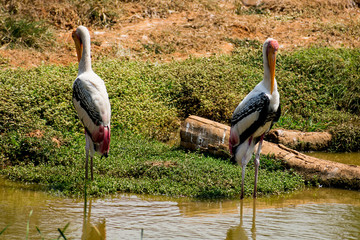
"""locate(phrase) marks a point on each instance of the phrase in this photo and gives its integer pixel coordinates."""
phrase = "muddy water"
(347, 158)
(310, 214)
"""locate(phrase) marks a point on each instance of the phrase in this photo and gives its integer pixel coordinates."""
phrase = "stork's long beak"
(78, 45)
(272, 60)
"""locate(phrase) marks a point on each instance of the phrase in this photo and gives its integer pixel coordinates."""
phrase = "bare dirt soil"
(156, 32)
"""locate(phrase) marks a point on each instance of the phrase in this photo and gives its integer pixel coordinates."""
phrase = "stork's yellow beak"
(272, 60)
(78, 45)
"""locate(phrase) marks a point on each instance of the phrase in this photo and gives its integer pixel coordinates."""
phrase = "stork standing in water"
(255, 115)
(91, 101)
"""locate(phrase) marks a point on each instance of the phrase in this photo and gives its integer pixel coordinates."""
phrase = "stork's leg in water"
(242, 180)
(87, 149)
(257, 163)
(86, 162)
(243, 166)
(91, 167)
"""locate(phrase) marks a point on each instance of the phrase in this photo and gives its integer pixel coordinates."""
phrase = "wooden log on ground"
(206, 135)
(301, 141)
(326, 173)
(213, 137)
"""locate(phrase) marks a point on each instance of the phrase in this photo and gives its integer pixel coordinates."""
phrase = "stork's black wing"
(83, 96)
(257, 104)
(274, 117)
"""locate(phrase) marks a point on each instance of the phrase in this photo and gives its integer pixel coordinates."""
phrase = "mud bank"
(213, 137)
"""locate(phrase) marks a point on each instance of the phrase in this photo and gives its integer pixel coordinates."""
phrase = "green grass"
(139, 165)
(42, 139)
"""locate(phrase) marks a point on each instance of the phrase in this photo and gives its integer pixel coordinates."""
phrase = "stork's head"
(270, 48)
(79, 35)
(78, 44)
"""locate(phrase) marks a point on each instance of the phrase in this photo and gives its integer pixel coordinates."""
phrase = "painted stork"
(91, 101)
(255, 115)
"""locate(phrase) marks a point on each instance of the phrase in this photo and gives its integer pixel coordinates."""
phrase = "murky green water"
(347, 158)
(310, 214)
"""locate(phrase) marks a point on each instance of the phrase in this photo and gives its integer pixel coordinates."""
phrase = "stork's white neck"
(85, 62)
(267, 75)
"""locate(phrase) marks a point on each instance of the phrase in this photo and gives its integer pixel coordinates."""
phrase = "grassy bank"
(319, 90)
(41, 137)
(140, 165)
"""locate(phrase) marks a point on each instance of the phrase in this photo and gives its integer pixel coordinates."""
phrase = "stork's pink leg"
(243, 166)
(257, 163)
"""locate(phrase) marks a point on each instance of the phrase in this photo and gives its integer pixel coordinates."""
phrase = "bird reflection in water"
(239, 232)
(92, 231)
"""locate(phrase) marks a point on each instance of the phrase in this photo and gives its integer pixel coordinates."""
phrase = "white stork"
(255, 115)
(91, 101)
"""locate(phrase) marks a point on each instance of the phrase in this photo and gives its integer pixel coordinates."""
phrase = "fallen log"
(323, 172)
(206, 135)
(301, 141)
(202, 134)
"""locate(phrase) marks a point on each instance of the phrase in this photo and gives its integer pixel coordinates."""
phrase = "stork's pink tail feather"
(233, 140)
(102, 138)
(105, 145)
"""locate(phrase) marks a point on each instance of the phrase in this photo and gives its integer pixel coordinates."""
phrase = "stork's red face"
(78, 44)
(271, 50)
